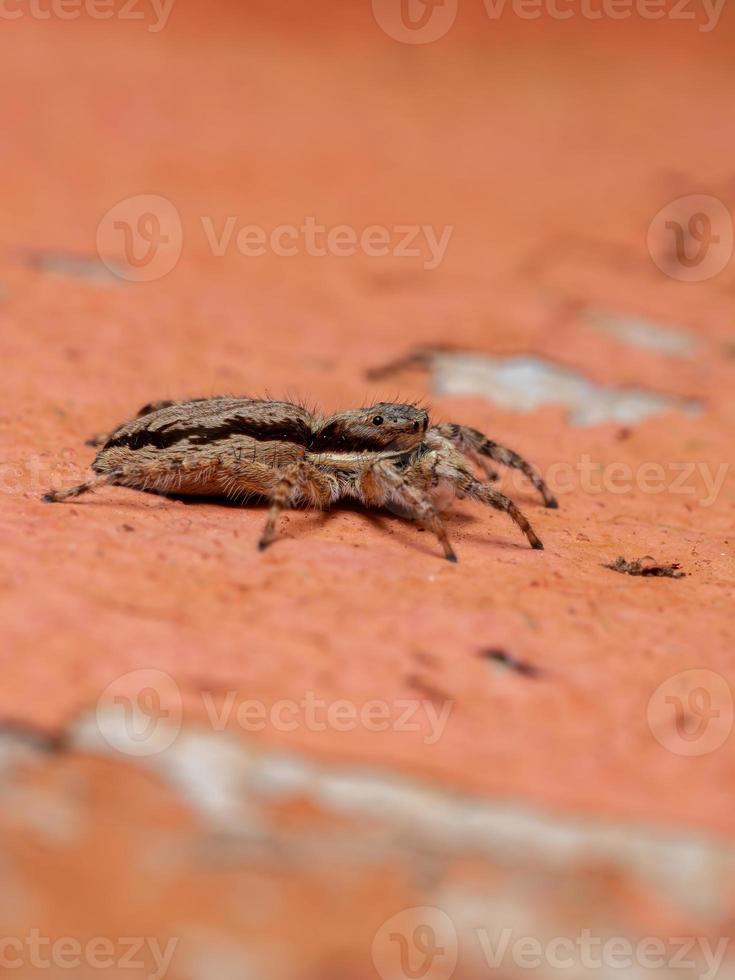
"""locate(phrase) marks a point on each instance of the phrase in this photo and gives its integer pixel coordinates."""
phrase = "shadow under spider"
(385, 520)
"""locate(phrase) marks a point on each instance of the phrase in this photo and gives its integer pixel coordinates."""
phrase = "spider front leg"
(461, 478)
(382, 482)
(299, 480)
(475, 444)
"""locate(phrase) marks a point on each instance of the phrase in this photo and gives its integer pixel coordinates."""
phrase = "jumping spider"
(387, 454)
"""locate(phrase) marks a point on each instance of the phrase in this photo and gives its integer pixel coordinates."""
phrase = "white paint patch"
(55, 819)
(525, 383)
(17, 748)
(208, 955)
(71, 266)
(641, 332)
(210, 771)
(227, 782)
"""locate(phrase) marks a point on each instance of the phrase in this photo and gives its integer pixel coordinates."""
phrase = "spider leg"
(163, 477)
(473, 443)
(382, 482)
(472, 488)
(154, 407)
(491, 474)
(56, 496)
(98, 440)
(297, 480)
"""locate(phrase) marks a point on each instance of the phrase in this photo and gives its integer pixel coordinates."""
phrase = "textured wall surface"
(248, 764)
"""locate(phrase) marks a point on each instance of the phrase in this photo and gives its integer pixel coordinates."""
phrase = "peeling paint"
(71, 265)
(525, 383)
(210, 773)
(489, 921)
(227, 781)
(208, 955)
(18, 746)
(54, 819)
(641, 332)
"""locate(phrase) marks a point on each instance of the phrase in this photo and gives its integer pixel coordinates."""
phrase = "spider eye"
(378, 420)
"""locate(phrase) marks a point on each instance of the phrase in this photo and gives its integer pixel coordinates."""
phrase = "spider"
(387, 454)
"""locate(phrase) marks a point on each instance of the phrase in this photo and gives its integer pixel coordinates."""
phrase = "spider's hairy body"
(384, 454)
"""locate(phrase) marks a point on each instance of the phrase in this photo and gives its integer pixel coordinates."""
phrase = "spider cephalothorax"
(381, 428)
(384, 454)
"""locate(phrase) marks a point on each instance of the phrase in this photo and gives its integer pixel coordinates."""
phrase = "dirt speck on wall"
(345, 755)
